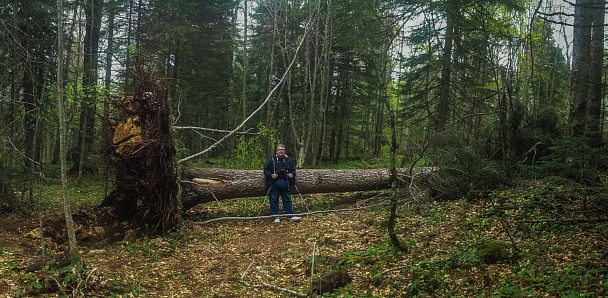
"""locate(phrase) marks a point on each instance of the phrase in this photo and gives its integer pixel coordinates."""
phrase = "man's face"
(280, 151)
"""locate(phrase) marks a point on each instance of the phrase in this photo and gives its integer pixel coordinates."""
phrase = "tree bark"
(581, 53)
(8, 200)
(86, 134)
(75, 257)
(105, 124)
(443, 109)
(202, 185)
(593, 130)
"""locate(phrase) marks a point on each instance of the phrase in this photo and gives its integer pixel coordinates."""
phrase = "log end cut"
(204, 181)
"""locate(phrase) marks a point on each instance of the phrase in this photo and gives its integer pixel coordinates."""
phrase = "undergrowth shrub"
(460, 169)
(572, 158)
(249, 152)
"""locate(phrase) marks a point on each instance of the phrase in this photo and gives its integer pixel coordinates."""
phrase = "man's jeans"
(280, 188)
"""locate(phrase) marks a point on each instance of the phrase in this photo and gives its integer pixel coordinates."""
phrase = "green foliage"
(250, 154)
(463, 257)
(573, 158)
(120, 290)
(62, 280)
(427, 278)
(384, 253)
(89, 192)
(460, 169)
(509, 289)
(533, 134)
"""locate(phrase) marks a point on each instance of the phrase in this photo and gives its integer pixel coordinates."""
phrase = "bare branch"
(261, 105)
(214, 130)
(280, 289)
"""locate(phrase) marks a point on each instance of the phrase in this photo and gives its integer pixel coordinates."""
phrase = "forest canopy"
(511, 85)
(470, 132)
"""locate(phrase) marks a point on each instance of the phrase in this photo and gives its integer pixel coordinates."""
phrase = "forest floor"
(533, 241)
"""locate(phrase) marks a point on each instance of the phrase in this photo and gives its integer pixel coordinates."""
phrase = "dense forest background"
(500, 104)
(514, 87)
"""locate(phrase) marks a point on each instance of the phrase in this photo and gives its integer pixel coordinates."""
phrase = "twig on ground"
(277, 288)
(388, 270)
(244, 273)
(312, 266)
(360, 204)
(551, 220)
(284, 215)
(504, 227)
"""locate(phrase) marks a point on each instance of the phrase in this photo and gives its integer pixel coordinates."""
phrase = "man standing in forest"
(280, 173)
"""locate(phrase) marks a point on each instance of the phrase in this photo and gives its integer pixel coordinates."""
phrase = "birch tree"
(69, 222)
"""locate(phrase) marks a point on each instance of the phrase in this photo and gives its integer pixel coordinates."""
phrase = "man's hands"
(274, 176)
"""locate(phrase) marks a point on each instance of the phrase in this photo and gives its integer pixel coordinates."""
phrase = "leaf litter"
(259, 258)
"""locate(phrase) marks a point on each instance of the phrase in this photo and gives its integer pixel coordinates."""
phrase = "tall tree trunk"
(55, 158)
(581, 53)
(86, 135)
(245, 59)
(72, 70)
(270, 108)
(325, 87)
(73, 244)
(105, 124)
(443, 110)
(233, 76)
(378, 134)
(15, 70)
(308, 93)
(594, 104)
(129, 38)
(30, 106)
(29, 61)
(41, 69)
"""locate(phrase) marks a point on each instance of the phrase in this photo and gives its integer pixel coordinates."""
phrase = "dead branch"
(277, 288)
(283, 215)
(552, 220)
(389, 270)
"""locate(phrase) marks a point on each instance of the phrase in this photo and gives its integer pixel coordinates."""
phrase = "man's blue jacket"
(270, 168)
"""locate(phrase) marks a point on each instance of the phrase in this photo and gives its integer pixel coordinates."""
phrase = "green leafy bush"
(249, 152)
(573, 158)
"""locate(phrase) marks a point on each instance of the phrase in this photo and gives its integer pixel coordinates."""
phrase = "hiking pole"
(301, 198)
(264, 202)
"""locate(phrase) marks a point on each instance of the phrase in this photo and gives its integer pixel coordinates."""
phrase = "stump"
(141, 150)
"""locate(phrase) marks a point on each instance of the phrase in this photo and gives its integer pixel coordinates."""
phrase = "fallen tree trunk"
(201, 185)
